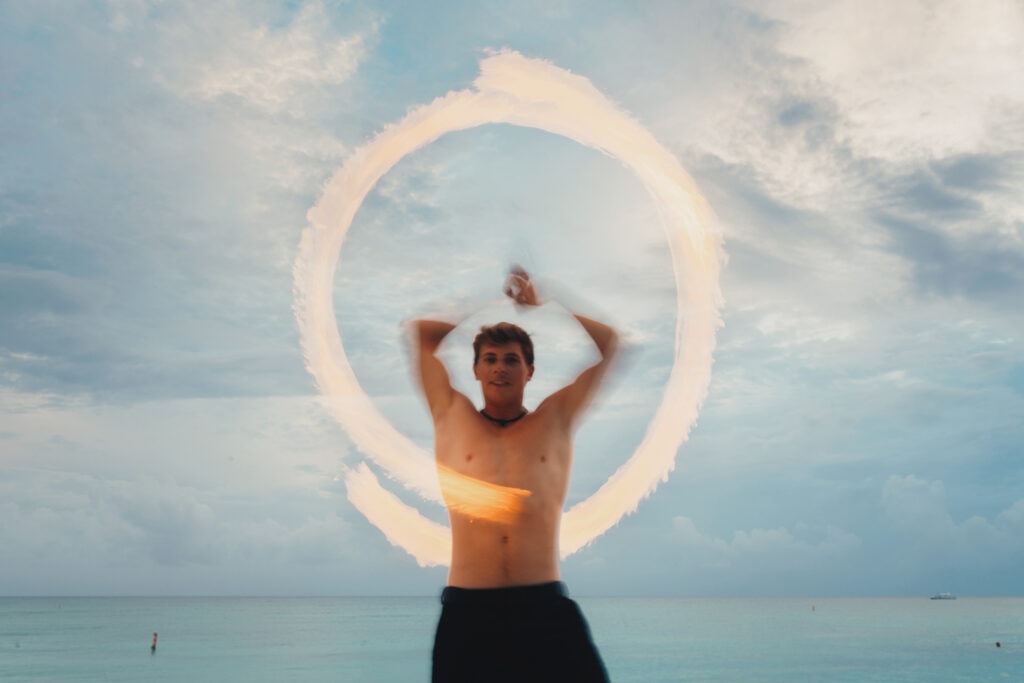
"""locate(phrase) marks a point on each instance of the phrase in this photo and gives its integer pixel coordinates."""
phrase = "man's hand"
(519, 288)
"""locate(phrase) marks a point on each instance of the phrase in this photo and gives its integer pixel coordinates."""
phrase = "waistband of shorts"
(506, 595)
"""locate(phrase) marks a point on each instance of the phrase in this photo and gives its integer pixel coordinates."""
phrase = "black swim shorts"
(526, 634)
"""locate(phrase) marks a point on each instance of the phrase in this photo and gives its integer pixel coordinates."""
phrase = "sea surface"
(386, 640)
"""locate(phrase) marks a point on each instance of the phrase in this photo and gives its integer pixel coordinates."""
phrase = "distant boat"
(943, 596)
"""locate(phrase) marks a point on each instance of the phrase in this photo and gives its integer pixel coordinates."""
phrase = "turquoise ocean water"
(388, 640)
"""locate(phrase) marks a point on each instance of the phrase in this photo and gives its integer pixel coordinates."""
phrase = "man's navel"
(469, 456)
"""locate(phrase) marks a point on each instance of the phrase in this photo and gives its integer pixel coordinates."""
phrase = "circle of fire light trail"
(532, 93)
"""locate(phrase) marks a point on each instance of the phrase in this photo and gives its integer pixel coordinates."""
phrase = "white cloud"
(912, 79)
(794, 329)
(125, 13)
(1013, 516)
(265, 91)
(24, 405)
(714, 551)
(917, 508)
(270, 69)
(775, 547)
(249, 445)
(828, 107)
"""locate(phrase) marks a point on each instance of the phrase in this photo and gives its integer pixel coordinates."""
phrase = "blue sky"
(159, 433)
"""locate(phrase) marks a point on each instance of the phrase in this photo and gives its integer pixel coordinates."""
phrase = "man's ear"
(475, 375)
(529, 375)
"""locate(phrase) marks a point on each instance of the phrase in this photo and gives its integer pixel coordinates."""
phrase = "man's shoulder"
(459, 410)
(552, 407)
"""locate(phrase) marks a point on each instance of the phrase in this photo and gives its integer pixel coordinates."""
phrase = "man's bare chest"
(525, 455)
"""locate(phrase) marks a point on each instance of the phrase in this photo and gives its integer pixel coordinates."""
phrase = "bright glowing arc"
(531, 93)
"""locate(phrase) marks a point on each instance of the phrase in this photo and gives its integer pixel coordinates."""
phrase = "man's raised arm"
(437, 387)
(571, 400)
(574, 398)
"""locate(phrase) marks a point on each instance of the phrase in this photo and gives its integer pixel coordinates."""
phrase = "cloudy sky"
(159, 431)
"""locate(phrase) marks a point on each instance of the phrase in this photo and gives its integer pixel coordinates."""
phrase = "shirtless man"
(505, 613)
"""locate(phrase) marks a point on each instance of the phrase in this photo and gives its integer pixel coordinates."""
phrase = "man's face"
(502, 371)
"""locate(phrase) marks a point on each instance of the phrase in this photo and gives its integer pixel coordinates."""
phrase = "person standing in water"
(506, 615)
(152, 648)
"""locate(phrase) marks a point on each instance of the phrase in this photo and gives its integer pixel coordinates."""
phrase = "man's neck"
(503, 411)
(504, 422)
